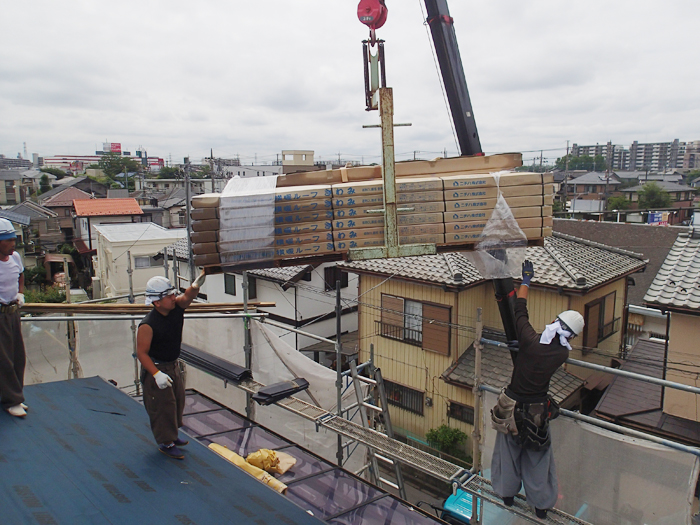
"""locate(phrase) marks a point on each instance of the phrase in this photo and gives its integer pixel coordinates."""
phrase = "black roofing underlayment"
(85, 455)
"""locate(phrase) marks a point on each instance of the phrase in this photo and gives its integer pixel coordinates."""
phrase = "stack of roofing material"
(441, 202)
(420, 219)
(471, 204)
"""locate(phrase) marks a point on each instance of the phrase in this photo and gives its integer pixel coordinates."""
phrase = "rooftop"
(664, 185)
(17, 218)
(106, 207)
(497, 368)
(65, 197)
(595, 177)
(564, 261)
(638, 404)
(33, 210)
(138, 231)
(86, 455)
(677, 283)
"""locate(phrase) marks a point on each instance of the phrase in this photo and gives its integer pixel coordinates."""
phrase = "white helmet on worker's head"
(572, 321)
(158, 287)
(7, 230)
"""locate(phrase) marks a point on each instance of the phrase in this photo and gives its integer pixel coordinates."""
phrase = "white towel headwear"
(551, 330)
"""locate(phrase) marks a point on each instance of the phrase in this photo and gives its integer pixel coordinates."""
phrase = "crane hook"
(373, 14)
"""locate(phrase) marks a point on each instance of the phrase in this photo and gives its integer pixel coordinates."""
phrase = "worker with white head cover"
(158, 343)
(12, 356)
(523, 454)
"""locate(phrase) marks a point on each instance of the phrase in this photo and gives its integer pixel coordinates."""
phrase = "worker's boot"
(508, 501)
(541, 513)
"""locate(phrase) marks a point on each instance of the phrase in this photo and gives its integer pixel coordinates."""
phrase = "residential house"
(115, 243)
(62, 204)
(21, 223)
(675, 296)
(94, 188)
(681, 197)
(11, 187)
(90, 213)
(175, 205)
(304, 298)
(165, 185)
(587, 192)
(419, 314)
(31, 181)
(44, 226)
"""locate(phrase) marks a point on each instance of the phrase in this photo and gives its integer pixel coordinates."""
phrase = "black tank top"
(167, 333)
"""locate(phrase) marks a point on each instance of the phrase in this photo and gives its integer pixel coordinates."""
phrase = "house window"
(252, 288)
(181, 219)
(332, 274)
(421, 324)
(146, 262)
(600, 320)
(230, 283)
(462, 413)
(66, 212)
(404, 397)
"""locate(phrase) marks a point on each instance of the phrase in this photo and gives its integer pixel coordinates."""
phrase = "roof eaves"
(598, 245)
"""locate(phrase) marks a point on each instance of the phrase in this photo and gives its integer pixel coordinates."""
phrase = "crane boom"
(445, 40)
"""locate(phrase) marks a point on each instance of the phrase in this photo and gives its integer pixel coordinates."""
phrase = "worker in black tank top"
(158, 348)
(522, 453)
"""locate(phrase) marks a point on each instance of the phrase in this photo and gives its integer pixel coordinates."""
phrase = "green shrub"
(448, 440)
(49, 294)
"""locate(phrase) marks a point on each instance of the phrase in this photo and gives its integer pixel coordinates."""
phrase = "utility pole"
(338, 367)
(607, 176)
(247, 347)
(188, 198)
(74, 371)
(566, 176)
(211, 168)
(541, 160)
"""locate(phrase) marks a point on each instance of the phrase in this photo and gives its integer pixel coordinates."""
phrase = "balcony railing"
(411, 336)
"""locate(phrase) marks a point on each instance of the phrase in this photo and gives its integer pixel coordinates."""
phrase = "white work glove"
(20, 299)
(199, 281)
(163, 380)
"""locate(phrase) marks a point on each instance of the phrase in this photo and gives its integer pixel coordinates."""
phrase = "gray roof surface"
(33, 210)
(564, 261)
(10, 175)
(677, 283)
(653, 242)
(497, 368)
(17, 218)
(594, 177)
(664, 185)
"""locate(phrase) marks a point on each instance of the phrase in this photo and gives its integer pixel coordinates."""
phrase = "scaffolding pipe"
(287, 327)
(616, 371)
(614, 427)
(27, 319)
(105, 299)
(338, 369)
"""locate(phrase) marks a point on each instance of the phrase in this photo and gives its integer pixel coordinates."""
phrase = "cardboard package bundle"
(471, 210)
(443, 202)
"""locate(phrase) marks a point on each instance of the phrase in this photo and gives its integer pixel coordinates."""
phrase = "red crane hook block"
(372, 13)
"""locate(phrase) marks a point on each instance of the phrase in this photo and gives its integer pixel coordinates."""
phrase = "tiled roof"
(677, 283)
(639, 404)
(564, 261)
(179, 248)
(33, 211)
(104, 207)
(594, 177)
(17, 218)
(652, 242)
(65, 197)
(497, 368)
(664, 185)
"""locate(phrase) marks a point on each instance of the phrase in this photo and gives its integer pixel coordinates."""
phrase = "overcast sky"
(256, 77)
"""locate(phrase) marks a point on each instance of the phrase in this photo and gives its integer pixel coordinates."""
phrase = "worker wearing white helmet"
(12, 355)
(522, 453)
(158, 343)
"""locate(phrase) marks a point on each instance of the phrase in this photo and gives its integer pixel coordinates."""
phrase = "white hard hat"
(158, 287)
(572, 320)
(7, 230)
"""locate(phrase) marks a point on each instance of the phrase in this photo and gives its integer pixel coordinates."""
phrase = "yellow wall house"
(676, 290)
(420, 315)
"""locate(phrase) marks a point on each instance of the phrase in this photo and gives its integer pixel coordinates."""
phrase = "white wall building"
(115, 243)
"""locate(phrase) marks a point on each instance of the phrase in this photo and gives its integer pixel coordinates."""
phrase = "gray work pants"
(12, 361)
(513, 466)
(164, 407)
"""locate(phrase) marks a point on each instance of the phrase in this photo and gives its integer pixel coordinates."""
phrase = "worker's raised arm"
(184, 300)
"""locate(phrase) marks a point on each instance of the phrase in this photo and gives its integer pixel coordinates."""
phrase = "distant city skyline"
(254, 78)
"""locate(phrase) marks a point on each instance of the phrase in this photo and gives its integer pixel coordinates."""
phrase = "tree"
(653, 196)
(58, 173)
(112, 164)
(448, 440)
(167, 172)
(692, 176)
(558, 207)
(44, 184)
(618, 202)
(585, 162)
